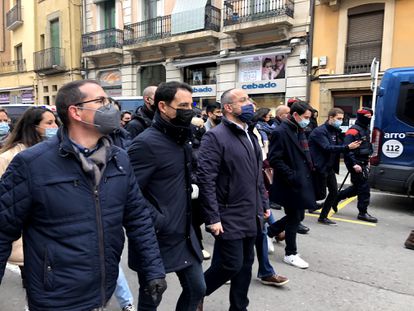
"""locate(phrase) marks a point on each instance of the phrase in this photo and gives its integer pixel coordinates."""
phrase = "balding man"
(232, 194)
(282, 112)
(144, 114)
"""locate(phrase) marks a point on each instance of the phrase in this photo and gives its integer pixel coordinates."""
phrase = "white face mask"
(303, 122)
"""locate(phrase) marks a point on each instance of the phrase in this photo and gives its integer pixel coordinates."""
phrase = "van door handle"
(409, 134)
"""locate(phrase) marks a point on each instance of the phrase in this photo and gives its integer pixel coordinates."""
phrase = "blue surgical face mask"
(247, 113)
(303, 122)
(4, 128)
(50, 132)
(337, 124)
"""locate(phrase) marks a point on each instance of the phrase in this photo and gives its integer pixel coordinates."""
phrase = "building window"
(152, 75)
(19, 57)
(201, 74)
(364, 41)
(107, 14)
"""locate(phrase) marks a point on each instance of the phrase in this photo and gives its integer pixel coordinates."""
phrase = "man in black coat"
(233, 196)
(143, 116)
(326, 145)
(292, 186)
(161, 158)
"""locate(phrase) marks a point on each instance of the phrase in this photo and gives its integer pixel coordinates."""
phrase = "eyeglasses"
(106, 102)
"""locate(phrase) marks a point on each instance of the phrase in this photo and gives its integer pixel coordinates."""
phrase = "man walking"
(356, 162)
(71, 196)
(214, 114)
(144, 114)
(326, 146)
(292, 187)
(161, 159)
(233, 196)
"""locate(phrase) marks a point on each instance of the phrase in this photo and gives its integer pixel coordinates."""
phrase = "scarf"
(179, 134)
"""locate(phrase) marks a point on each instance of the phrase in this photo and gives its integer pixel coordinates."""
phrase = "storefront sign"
(262, 87)
(110, 78)
(27, 97)
(262, 68)
(208, 90)
(4, 98)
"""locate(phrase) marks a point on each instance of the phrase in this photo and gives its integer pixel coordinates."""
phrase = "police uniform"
(360, 156)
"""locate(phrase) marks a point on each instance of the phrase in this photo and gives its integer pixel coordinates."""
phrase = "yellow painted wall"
(25, 34)
(403, 43)
(325, 34)
(5, 49)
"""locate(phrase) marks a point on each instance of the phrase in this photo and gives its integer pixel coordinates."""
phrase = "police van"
(392, 162)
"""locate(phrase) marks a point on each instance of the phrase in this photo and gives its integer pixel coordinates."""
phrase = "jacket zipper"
(100, 242)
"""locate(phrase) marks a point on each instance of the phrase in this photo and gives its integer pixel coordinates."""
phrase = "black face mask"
(183, 117)
(217, 120)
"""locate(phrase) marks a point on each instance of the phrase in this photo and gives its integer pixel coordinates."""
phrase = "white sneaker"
(270, 246)
(296, 261)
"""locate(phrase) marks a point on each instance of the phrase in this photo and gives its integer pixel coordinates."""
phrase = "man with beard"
(214, 114)
(232, 195)
(161, 159)
(144, 114)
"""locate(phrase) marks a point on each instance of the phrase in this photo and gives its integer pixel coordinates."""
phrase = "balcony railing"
(13, 66)
(360, 55)
(160, 27)
(241, 11)
(103, 39)
(14, 17)
(49, 60)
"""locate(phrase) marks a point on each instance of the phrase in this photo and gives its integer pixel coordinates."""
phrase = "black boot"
(302, 229)
(409, 243)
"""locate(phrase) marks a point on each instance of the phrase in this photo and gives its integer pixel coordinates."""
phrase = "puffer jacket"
(73, 231)
(16, 256)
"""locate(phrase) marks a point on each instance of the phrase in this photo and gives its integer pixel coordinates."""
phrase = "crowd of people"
(72, 187)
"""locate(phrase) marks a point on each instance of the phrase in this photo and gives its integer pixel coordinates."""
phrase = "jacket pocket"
(48, 273)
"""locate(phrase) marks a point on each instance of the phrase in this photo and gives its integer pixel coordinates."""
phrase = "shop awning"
(231, 56)
(16, 88)
(188, 15)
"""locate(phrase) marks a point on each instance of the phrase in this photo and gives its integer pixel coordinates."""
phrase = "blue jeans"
(265, 268)
(194, 288)
(122, 292)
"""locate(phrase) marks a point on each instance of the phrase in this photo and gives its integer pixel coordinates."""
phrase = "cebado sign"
(261, 87)
(208, 90)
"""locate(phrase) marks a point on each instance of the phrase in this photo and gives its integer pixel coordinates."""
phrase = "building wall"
(403, 43)
(5, 49)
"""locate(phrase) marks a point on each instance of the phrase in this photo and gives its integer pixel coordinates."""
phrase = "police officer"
(357, 164)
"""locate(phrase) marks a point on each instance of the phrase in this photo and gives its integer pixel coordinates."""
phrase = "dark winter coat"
(140, 121)
(292, 180)
(162, 166)
(73, 231)
(325, 144)
(230, 180)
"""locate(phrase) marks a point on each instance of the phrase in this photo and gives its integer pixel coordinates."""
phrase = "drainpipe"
(310, 49)
(85, 61)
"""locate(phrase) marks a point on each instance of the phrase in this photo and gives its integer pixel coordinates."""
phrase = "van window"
(405, 109)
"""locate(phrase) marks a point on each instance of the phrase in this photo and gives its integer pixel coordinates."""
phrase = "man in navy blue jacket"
(326, 145)
(72, 195)
(233, 196)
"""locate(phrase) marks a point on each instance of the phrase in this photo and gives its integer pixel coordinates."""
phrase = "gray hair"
(279, 109)
(149, 90)
(226, 97)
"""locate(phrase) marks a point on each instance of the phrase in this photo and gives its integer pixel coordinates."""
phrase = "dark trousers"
(192, 282)
(332, 185)
(360, 187)
(232, 260)
(289, 224)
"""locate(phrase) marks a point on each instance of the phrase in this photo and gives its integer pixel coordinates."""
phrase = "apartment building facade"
(214, 45)
(348, 35)
(40, 49)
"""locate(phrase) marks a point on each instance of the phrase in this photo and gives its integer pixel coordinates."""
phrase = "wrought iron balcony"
(14, 17)
(360, 55)
(102, 39)
(160, 27)
(241, 11)
(13, 66)
(49, 61)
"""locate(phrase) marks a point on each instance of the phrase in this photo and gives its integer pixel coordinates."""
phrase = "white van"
(129, 103)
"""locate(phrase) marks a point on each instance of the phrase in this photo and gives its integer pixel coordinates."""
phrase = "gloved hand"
(155, 288)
